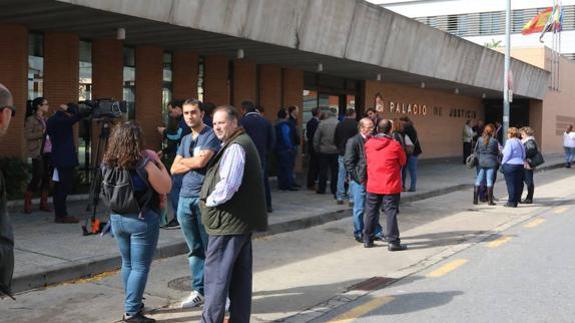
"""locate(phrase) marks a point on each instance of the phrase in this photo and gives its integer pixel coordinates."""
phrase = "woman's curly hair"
(125, 146)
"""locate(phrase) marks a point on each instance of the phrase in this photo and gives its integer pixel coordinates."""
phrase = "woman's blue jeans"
(411, 167)
(137, 239)
(485, 174)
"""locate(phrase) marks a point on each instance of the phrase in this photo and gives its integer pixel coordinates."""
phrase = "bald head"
(384, 126)
(6, 104)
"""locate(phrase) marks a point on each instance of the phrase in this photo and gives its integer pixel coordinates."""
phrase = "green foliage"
(493, 44)
(16, 173)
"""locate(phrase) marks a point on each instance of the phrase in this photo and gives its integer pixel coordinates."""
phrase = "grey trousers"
(228, 271)
(389, 204)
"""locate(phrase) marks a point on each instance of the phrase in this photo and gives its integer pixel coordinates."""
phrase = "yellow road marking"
(450, 266)
(560, 210)
(498, 242)
(362, 309)
(534, 223)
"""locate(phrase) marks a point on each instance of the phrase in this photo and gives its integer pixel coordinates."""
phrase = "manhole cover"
(183, 284)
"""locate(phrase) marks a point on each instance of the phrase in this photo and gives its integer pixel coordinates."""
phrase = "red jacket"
(385, 157)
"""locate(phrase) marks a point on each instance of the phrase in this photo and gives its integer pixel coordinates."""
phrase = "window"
(201, 74)
(35, 65)
(85, 93)
(167, 84)
(491, 23)
(129, 89)
(452, 24)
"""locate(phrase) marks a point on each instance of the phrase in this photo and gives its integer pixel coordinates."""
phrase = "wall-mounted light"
(121, 33)
(379, 77)
(240, 53)
(319, 67)
(456, 91)
(422, 85)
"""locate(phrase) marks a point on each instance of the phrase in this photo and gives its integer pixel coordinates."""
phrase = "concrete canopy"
(351, 38)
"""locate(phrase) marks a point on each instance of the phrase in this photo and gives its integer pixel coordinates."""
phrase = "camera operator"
(64, 157)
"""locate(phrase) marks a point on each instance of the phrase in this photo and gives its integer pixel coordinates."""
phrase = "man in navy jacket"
(262, 134)
(64, 157)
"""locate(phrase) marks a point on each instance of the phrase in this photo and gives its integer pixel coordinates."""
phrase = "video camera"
(103, 108)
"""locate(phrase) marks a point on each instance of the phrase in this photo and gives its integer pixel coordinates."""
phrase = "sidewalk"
(48, 253)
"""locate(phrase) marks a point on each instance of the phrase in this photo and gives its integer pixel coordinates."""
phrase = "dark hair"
(175, 103)
(260, 109)
(315, 111)
(125, 145)
(230, 110)
(195, 102)
(349, 112)
(282, 113)
(291, 108)
(384, 126)
(36, 103)
(209, 108)
(369, 110)
(72, 107)
(249, 106)
(569, 128)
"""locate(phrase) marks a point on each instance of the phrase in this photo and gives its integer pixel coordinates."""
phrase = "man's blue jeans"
(341, 176)
(358, 193)
(175, 192)
(137, 239)
(196, 238)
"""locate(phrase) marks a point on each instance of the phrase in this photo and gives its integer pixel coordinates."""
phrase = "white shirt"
(231, 171)
(569, 139)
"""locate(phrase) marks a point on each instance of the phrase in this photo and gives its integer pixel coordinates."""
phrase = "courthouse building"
(338, 53)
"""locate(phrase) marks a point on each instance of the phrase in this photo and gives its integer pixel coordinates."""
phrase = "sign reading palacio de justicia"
(415, 109)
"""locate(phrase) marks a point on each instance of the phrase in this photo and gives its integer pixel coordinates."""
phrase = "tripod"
(93, 224)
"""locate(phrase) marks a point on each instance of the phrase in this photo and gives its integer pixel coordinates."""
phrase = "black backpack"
(118, 189)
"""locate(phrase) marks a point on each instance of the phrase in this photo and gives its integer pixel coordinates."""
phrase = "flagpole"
(506, 72)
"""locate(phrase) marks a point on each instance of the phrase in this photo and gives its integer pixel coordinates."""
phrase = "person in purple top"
(512, 166)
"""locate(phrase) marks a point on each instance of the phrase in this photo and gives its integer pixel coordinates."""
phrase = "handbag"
(536, 160)
(471, 160)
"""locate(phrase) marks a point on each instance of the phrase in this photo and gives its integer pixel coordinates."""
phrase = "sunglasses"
(11, 108)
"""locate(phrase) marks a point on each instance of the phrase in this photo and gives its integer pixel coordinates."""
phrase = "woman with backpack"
(134, 209)
(532, 160)
(486, 152)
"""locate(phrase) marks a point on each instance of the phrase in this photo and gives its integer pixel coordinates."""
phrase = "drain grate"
(183, 284)
(374, 283)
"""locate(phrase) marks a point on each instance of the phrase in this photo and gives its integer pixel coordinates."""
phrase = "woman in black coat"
(531, 150)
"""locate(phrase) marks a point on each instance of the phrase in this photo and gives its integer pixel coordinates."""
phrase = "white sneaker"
(228, 304)
(195, 299)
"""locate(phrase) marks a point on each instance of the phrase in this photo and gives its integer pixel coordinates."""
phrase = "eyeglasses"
(11, 108)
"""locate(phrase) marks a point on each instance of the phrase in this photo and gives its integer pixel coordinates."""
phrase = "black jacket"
(261, 132)
(354, 159)
(310, 128)
(6, 244)
(344, 130)
(410, 131)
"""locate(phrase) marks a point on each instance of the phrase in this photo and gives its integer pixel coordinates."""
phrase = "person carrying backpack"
(132, 181)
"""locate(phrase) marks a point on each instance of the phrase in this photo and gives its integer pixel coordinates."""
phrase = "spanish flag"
(537, 24)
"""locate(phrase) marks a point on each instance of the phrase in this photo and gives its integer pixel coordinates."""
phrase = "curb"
(89, 268)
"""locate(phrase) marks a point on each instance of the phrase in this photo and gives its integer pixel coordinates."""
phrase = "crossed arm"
(183, 165)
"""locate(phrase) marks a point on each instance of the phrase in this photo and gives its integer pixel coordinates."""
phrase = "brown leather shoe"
(28, 202)
(44, 202)
(66, 219)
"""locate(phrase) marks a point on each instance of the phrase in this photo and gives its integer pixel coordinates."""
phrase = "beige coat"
(34, 132)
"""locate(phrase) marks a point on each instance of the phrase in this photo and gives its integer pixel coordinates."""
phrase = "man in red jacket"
(385, 157)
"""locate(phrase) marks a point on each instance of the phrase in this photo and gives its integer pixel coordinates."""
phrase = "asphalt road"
(309, 275)
(524, 274)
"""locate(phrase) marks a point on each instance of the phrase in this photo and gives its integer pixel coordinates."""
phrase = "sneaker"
(228, 302)
(172, 225)
(137, 318)
(195, 299)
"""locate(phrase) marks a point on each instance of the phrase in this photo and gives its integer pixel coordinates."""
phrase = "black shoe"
(293, 189)
(509, 205)
(138, 318)
(368, 244)
(396, 247)
(411, 189)
(350, 204)
(339, 202)
(379, 238)
(319, 192)
(358, 239)
(297, 185)
(270, 209)
(526, 201)
(172, 224)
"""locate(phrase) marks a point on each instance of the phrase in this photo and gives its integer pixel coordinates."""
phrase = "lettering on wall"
(395, 107)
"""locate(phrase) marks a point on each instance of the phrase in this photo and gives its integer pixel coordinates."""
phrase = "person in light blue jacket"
(512, 166)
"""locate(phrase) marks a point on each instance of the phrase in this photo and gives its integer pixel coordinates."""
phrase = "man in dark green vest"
(7, 111)
(232, 207)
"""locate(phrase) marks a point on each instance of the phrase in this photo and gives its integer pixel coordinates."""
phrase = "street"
(464, 263)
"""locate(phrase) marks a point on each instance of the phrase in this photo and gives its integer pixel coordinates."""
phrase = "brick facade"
(149, 76)
(185, 75)
(14, 75)
(107, 68)
(292, 94)
(270, 88)
(245, 82)
(216, 87)
(61, 68)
